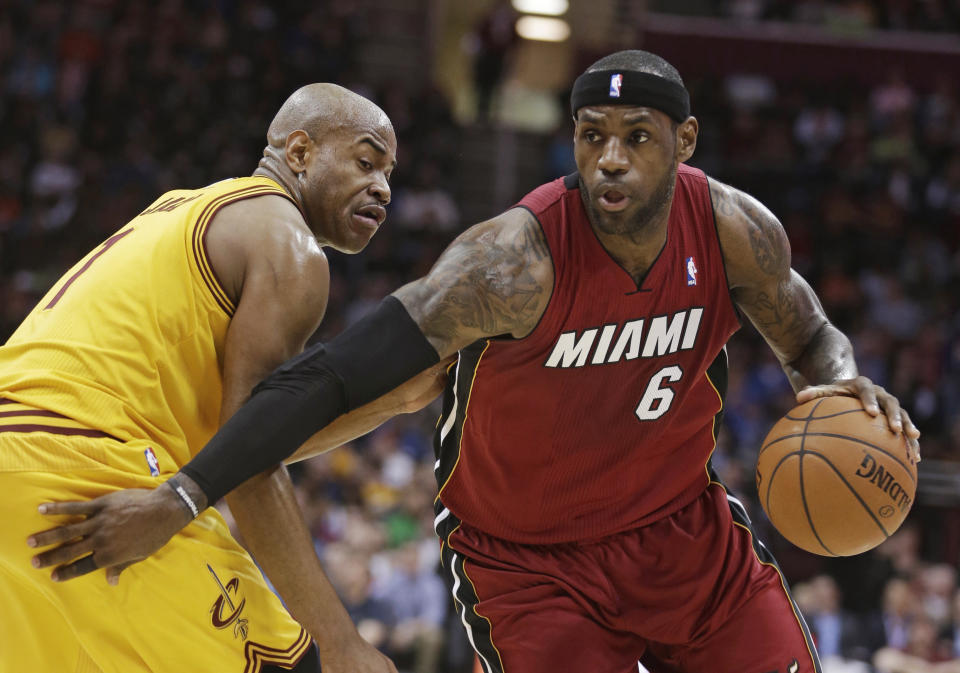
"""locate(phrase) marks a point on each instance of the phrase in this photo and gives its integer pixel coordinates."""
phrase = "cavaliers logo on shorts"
(225, 610)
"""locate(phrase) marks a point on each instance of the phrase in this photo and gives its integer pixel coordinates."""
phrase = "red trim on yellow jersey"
(19, 420)
(259, 655)
(200, 253)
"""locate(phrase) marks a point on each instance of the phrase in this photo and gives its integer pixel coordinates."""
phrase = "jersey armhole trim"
(199, 240)
(556, 277)
(723, 258)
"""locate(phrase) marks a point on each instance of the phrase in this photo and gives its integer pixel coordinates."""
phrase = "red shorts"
(690, 593)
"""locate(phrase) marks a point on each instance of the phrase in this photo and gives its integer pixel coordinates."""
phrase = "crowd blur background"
(843, 116)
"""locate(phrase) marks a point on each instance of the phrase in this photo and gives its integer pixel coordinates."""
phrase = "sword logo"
(240, 626)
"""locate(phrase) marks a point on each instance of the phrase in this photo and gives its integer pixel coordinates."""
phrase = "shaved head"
(333, 151)
(322, 108)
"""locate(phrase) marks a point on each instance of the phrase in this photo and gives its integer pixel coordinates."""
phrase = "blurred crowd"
(848, 16)
(105, 104)
(904, 618)
(866, 180)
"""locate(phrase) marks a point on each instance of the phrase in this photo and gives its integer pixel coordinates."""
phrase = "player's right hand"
(353, 656)
(112, 532)
(875, 400)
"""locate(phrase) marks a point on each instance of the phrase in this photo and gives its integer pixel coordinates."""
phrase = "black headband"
(628, 87)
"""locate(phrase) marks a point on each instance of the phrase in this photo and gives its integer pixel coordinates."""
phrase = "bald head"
(322, 108)
(333, 151)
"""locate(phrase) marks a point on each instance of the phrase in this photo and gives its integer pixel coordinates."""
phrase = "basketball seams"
(855, 440)
(773, 474)
(803, 492)
(817, 418)
(856, 493)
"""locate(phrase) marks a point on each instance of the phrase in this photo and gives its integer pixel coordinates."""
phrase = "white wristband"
(187, 500)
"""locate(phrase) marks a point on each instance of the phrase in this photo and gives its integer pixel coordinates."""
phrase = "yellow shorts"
(198, 604)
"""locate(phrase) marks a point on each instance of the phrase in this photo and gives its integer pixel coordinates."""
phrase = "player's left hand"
(874, 399)
(112, 531)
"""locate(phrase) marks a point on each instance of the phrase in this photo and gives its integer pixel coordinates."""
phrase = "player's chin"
(354, 243)
(354, 239)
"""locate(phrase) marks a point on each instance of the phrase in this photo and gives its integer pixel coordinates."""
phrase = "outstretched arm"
(276, 273)
(495, 279)
(409, 397)
(815, 355)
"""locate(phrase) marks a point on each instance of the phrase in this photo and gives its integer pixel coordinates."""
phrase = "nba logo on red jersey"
(152, 462)
(691, 271)
(616, 81)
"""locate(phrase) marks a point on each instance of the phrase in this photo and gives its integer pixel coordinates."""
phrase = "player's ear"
(295, 151)
(687, 138)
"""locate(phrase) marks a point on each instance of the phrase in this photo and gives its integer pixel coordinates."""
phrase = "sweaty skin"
(496, 278)
(333, 151)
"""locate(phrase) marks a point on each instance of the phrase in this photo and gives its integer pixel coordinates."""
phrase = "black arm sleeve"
(309, 391)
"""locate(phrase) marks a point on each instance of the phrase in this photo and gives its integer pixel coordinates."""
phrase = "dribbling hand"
(874, 399)
(112, 532)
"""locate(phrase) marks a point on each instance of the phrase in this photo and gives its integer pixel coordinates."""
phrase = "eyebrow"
(638, 117)
(378, 147)
(632, 118)
(591, 117)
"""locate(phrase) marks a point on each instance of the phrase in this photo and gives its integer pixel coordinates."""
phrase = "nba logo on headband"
(615, 82)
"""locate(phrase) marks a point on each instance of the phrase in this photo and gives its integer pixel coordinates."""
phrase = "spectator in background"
(836, 632)
(898, 612)
(937, 584)
(349, 571)
(951, 633)
(425, 204)
(818, 128)
(493, 42)
(419, 600)
(920, 654)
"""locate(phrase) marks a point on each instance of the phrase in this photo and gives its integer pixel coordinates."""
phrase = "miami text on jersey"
(640, 338)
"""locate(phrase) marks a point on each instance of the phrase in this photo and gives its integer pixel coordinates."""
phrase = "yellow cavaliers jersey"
(129, 342)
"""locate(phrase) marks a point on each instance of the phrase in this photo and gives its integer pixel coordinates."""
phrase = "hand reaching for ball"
(875, 399)
(834, 479)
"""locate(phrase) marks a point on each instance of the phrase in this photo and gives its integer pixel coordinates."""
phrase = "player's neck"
(267, 168)
(637, 248)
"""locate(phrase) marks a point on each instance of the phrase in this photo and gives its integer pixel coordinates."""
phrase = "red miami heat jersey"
(603, 418)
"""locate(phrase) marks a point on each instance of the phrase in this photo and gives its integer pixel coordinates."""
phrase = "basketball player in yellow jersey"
(127, 367)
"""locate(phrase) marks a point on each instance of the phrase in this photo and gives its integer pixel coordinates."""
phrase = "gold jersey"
(129, 342)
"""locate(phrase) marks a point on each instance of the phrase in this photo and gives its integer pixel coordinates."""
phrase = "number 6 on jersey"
(656, 400)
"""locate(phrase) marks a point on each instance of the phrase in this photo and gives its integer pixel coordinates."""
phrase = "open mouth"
(613, 200)
(370, 216)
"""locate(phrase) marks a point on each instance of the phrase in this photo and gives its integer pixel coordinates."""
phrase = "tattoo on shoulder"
(722, 204)
(767, 237)
(765, 247)
(490, 281)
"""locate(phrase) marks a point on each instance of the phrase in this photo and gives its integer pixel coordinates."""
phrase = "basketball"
(833, 479)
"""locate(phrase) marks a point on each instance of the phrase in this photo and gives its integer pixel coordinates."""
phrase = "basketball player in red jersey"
(581, 525)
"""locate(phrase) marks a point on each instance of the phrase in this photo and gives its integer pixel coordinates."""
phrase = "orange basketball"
(833, 479)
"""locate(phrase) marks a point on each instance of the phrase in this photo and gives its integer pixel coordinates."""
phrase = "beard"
(623, 224)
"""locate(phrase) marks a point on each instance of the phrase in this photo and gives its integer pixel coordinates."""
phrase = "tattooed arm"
(496, 278)
(779, 303)
(815, 355)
